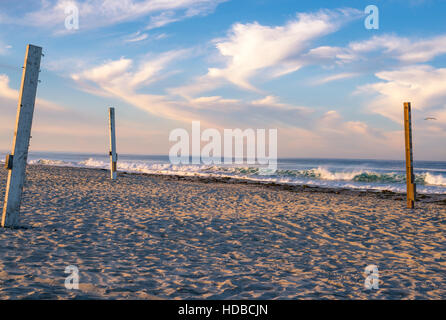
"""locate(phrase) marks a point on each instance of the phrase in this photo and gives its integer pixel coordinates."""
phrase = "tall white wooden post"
(16, 162)
(113, 155)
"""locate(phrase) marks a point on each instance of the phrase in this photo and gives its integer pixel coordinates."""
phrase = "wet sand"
(149, 237)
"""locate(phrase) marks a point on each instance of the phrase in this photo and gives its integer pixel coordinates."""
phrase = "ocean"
(377, 175)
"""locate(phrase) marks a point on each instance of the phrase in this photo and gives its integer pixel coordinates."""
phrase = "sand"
(149, 237)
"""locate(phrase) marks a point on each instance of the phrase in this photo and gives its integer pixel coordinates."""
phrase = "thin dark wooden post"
(411, 187)
(113, 155)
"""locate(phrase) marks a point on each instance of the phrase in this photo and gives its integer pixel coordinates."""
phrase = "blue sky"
(311, 69)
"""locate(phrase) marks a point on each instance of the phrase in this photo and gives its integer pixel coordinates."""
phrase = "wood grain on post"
(19, 156)
(411, 187)
(113, 155)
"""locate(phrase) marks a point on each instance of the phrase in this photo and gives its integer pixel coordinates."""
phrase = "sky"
(332, 87)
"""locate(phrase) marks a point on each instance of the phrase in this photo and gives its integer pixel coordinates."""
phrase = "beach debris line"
(113, 154)
(16, 161)
(411, 186)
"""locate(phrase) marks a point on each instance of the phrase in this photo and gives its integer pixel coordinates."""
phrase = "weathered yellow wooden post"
(16, 162)
(411, 187)
(113, 155)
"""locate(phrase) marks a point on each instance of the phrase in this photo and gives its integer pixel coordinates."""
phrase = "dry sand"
(165, 237)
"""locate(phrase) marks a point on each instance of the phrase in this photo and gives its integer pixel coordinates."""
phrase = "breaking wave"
(352, 178)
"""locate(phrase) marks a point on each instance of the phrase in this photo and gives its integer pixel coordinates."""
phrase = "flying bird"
(430, 118)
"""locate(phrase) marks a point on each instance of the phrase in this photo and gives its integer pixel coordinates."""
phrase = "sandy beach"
(163, 237)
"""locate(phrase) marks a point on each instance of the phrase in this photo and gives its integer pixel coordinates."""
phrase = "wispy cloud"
(401, 48)
(256, 51)
(129, 81)
(251, 48)
(336, 77)
(136, 37)
(140, 36)
(387, 49)
(330, 133)
(6, 92)
(422, 85)
(56, 127)
(4, 48)
(162, 19)
(371, 56)
(99, 13)
(123, 78)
